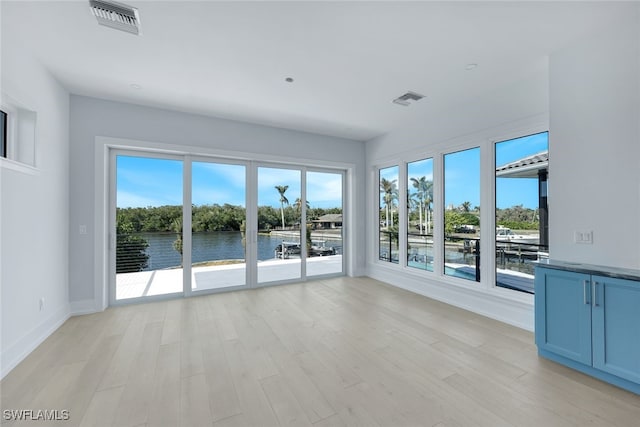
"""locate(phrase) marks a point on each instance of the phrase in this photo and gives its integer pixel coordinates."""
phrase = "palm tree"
(424, 190)
(466, 206)
(298, 205)
(388, 187)
(419, 184)
(390, 198)
(283, 200)
(428, 199)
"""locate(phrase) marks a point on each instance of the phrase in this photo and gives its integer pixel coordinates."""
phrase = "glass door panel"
(148, 226)
(324, 223)
(218, 224)
(279, 225)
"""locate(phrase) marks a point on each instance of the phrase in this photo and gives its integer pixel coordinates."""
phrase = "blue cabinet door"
(563, 313)
(616, 327)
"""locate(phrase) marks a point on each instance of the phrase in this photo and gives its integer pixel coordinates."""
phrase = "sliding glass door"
(218, 225)
(324, 234)
(148, 227)
(280, 228)
(185, 226)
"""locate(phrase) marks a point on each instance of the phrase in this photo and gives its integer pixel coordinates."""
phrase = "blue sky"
(518, 191)
(143, 182)
(462, 178)
(462, 174)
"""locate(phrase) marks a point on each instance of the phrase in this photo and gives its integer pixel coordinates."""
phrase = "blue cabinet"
(589, 322)
(616, 327)
(564, 326)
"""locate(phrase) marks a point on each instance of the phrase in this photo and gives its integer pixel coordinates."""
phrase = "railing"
(463, 250)
(518, 256)
(462, 257)
(420, 251)
(388, 248)
(147, 251)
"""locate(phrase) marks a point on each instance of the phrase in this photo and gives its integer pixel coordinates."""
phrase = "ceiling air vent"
(116, 15)
(407, 97)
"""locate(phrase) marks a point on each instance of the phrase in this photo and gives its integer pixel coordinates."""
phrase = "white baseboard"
(18, 351)
(87, 306)
(515, 311)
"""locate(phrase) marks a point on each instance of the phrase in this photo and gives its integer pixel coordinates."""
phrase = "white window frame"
(485, 141)
(21, 137)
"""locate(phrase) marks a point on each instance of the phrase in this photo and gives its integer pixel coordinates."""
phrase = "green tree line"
(518, 218)
(210, 217)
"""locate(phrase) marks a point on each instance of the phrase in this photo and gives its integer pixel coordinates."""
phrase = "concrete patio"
(167, 281)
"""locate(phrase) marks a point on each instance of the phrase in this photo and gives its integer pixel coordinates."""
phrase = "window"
(3, 134)
(388, 217)
(441, 218)
(462, 214)
(17, 134)
(521, 169)
(419, 214)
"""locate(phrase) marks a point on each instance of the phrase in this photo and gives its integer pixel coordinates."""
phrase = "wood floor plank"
(85, 384)
(254, 404)
(102, 408)
(283, 402)
(121, 363)
(164, 407)
(509, 406)
(172, 324)
(223, 398)
(238, 420)
(138, 391)
(194, 402)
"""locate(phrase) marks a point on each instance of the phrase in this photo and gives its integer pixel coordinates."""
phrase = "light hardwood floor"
(339, 352)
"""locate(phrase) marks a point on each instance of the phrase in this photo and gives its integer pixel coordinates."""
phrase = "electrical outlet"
(41, 303)
(83, 229)
(583, 237)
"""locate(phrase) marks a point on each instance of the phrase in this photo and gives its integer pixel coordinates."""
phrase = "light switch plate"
(584, 237)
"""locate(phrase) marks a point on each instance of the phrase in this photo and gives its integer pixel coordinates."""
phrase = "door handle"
(585, 291)
(595, 294)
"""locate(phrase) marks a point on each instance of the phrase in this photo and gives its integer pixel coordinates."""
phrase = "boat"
(293, 248)
(286, 249)
(506, 235)
(321, 250)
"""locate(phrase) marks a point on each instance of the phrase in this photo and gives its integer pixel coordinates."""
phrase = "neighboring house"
(328, 221)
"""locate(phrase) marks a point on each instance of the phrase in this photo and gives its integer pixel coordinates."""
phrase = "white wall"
(91, 118)
(34, 208)
(595, 147)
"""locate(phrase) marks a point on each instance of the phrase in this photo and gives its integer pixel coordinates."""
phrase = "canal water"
(211, 246)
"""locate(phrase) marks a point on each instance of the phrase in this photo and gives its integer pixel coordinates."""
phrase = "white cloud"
(125, 199)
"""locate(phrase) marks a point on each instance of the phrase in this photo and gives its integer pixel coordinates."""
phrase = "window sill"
(436, 279)
(18, 167)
